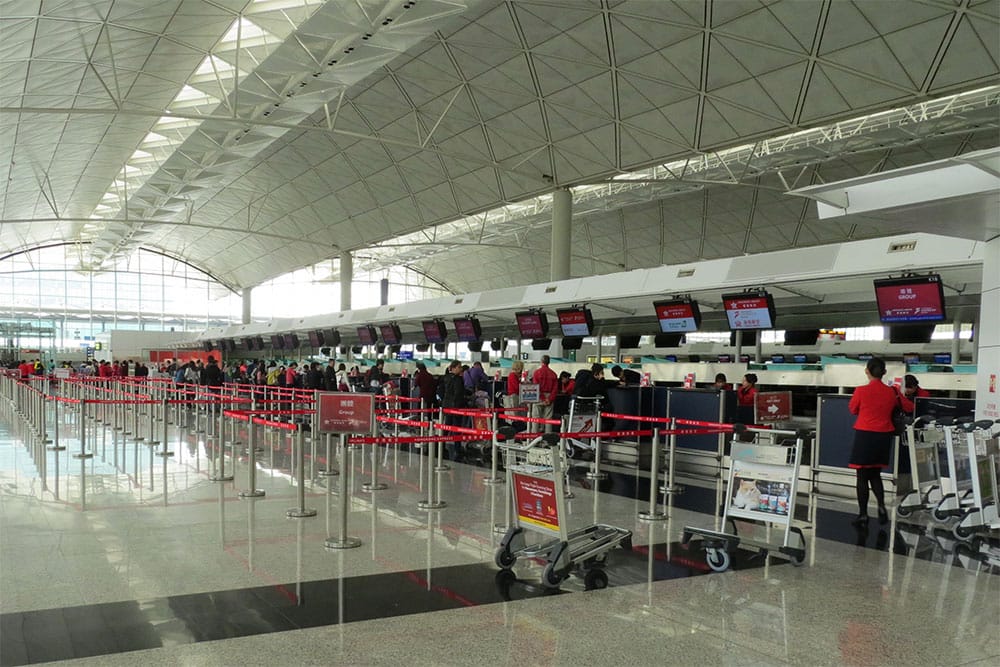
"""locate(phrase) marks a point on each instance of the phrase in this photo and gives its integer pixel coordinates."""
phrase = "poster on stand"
(529, 392)
(761, 491)
(535, 498)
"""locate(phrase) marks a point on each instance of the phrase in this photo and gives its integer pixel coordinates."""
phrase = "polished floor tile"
(211, 579)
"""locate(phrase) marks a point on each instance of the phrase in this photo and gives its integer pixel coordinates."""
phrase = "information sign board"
(529, 392)
(772, 406)
(345, 412)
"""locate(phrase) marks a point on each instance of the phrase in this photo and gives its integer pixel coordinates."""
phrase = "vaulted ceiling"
(253, 138)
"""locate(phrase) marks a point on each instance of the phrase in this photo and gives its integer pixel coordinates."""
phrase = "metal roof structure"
(251, 138)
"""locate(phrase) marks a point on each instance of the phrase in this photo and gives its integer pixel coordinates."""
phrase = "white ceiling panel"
(350, 128)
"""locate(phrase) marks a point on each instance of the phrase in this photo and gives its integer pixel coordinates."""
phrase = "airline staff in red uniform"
(912, 388)
(873, 403)
(746, 394)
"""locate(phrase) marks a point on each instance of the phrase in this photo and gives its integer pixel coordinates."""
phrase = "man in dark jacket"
(211, 377)
(330, 376)
(452, 391)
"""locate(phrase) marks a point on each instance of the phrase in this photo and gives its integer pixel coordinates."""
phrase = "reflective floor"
(198, 575)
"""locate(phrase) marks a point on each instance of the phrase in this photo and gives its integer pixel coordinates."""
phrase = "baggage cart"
(981, 439)
(762, 486)
(924, 435)
(956, 473)
(539, 506)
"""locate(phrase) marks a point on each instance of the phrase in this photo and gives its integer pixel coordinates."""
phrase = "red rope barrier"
(462, 429)
(532, 420)
(404, 440)
(405, 422)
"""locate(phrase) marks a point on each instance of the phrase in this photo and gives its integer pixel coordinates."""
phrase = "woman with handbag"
(874, 404)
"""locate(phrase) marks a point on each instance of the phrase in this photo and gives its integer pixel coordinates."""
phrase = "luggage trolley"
(956, 474)
(982, 442)
(762, 486)
(924, 436)
(540, 506)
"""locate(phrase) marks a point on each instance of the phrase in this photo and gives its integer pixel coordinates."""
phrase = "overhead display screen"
(316, 338)
(910, 299)
(467, 329)
(532, 324)
(390, 334)
(434, 331)
(367, 335)
(749, 310)
(575, 321)
(277, 342)
(678, 316)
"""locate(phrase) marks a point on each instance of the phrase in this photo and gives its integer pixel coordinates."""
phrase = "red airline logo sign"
(339, 412)
(773, 406)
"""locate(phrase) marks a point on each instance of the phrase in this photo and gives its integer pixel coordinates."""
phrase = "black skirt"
(871, 449)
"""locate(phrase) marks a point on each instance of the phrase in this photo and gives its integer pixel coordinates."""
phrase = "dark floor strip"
(116, 627)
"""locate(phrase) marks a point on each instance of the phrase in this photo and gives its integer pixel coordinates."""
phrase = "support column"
(346, 279)
(988, 336)
(758, 356)
(246, 294)
(561, 242)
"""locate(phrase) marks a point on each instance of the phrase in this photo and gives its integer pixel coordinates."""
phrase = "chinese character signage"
(339, 412)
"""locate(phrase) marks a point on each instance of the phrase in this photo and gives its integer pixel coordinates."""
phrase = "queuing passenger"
(626, 376)
(873, 403)
(721, 382)
(291, 375)
(475, 377)
(548, 388)
(314, 377)
(746, 394)
(376, 376)
(452, 391)
(513, 397)
(330, 376)
(343, 380)
(426, 386)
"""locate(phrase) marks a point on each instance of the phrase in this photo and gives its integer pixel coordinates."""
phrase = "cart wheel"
(962, 532)
(940, 515)
(798, 560)
(551, 578)
(504, 559)
(595, 580)
(903, 510)
(717, 559)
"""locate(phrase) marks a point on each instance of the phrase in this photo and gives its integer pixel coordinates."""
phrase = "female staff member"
(912, 389)
(746, 393)
(873, 403)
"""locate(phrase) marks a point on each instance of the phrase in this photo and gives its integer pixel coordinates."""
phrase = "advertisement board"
(760, 491)
(344, 412)
(772, 406)
(535, 499)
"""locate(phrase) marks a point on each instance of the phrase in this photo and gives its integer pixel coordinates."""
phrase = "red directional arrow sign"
(773, 406)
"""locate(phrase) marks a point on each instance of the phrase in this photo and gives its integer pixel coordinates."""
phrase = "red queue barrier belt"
(393, 398)
(414, 439)
(404, 422)
(472, 412)
(405, 411)
(532, 420)
(462, 429)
